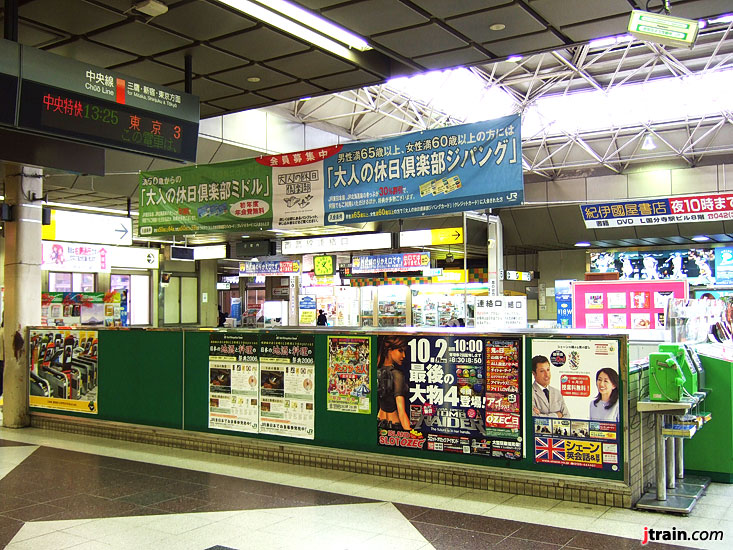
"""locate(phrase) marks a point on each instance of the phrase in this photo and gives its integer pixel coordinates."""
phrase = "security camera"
(449, 258)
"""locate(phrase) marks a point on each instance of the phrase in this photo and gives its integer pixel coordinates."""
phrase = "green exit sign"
(663, 29)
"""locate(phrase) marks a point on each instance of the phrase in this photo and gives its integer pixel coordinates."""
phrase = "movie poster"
(287, 379)
(233, 382)
(576, 402)
(349, 384)
(455, 394)
(63, 369)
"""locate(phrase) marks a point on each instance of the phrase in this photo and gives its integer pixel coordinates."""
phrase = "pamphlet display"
(107, 309)
(624, 304)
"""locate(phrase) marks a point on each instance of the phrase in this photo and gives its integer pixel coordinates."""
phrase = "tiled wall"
(586, 490)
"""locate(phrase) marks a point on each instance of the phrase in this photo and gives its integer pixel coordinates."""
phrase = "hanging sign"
(416, 261)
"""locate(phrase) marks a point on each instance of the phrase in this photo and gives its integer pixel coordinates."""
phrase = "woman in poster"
(605, 405)
(392, 390)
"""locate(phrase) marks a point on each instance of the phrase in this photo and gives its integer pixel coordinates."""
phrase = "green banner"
(230, 196)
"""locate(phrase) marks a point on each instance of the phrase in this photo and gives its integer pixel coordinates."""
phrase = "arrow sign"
(427, 237)
(88, 228)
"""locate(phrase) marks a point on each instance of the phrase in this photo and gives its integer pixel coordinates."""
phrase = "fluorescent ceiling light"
(583, 244)
(722, 19)
(700, 238)
(648, 144)
(514, 58)
(305, 28)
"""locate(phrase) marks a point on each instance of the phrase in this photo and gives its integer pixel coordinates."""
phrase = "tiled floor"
(62, 490)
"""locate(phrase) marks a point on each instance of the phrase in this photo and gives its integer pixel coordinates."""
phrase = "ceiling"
(229, 49)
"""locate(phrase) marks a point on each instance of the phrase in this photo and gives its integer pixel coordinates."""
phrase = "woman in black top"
(392, 390)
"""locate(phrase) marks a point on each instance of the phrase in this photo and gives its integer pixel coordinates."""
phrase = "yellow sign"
(450, 235)
(585, 452)
(451, 276)
(63, 404)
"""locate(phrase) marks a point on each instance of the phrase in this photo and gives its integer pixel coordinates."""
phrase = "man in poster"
(546, 400)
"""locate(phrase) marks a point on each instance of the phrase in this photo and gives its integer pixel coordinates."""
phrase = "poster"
(461, 394)
(233, 382)
(63, 369)
(349, 383)
(576, 421)
(287, 379)
(107, 309)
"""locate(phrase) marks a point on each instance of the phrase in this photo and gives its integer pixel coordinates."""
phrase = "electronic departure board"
(62, 113)
(41, 92)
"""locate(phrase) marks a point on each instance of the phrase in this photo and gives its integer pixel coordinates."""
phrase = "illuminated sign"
(63, 97)
(427, 237)
(82, 258)
(416, 261)
(82, 227)
(338, 243)
(518, 275)
(663, 29)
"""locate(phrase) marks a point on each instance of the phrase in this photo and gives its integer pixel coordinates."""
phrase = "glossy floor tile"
(62, 490)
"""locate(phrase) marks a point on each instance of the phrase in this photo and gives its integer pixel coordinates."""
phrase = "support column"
(23, 189)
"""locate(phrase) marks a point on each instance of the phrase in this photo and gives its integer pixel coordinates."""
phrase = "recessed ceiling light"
(497, 27)
(700, 238)
(254, 79)
(583, 244)
(245, 236)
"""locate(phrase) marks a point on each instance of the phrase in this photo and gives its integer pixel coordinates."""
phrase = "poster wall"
(287, 376)
(234, 382)
(63, 369)
(107, 309)
(575, 402)
(349, 382)
(450, 394)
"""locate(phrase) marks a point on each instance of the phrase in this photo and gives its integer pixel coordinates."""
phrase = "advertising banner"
(107, 309)
(306, 310)
(699, 208)
(86, 258)
(576, 402)
(465, 167)
(414, 261)
(697, 265)
(63, 370)
(287, 377)
(450, 394)
(229, 196)
(252, 269)
(233, 382)
(349, 382)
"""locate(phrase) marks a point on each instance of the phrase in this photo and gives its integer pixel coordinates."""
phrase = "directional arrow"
(456, 234)
(122, 230)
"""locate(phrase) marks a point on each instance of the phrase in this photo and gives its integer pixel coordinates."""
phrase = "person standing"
(322, 320)
(546, 400)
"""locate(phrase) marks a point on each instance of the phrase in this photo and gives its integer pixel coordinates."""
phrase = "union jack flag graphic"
(549, 450)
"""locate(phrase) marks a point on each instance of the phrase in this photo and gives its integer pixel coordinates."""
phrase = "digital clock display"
(60, 112)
